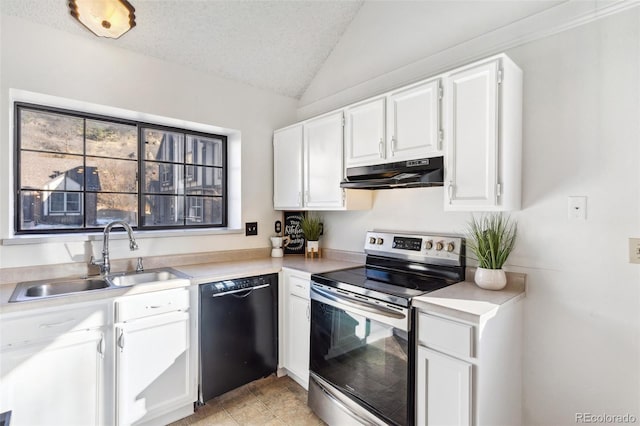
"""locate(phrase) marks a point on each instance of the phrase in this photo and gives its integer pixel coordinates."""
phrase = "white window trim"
(234, 167)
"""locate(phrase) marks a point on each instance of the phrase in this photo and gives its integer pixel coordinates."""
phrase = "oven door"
(360, 346)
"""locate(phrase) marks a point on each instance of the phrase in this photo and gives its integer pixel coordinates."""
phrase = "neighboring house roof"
(77, 175)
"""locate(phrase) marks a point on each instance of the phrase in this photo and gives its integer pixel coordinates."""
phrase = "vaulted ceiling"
(273, 44)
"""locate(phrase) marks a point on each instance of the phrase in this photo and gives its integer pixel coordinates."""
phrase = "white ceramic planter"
(490, 279)
(312, 246)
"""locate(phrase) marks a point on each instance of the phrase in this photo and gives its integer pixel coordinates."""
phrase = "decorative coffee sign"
(293, 231)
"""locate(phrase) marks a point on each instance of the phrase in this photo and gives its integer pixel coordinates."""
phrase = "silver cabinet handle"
(308, 312)
(299, 198)
(101, 347)
(57, 324)
(450, 191)
(393, 146)
(121, 340)
(380, 148)
(157, 306)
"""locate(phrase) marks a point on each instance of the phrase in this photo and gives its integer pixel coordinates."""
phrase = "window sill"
(97, 236)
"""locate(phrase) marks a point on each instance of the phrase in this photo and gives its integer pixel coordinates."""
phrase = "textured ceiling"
(283, 45)
(274, 45)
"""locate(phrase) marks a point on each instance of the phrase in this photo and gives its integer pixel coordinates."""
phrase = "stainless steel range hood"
(402, 174)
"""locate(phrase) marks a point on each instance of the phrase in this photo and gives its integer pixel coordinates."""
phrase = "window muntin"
(77, 172)
(183, 179)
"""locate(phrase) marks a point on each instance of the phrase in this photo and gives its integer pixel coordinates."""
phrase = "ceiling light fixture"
(104, 18)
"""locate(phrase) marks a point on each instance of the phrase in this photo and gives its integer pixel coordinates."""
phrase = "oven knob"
(428, 245)
(450, 247)
(439, 245)
(372, 240)
(380, 241)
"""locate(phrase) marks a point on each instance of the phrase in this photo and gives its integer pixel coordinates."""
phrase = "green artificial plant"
(491, 239)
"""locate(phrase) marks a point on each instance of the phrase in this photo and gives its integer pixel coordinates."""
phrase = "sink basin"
(142, 278)
(34, 290)
(40, 289)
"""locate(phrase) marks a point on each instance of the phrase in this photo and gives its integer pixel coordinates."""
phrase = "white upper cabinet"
(323, 167)
(365, 133)
(287, 167)
(483, 133)
(413, 122)
(308, 167)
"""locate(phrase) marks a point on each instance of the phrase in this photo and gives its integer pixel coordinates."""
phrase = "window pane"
(44, 210)
(46, 131)
(106, 174)
(204, 180)
(202, 150)
(163, 146)
(109, 139)
(163, 178)
(51, 171)
(204, 211)
(105, 208)
(163, 210)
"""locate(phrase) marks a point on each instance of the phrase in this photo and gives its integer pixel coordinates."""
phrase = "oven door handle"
(357, 304)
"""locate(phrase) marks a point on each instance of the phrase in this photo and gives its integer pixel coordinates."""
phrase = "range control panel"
(431, 248)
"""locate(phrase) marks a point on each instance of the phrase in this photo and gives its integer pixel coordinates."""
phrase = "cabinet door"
(323, 161)
(298, 328)
(154, 375)
(414, 122)
(471, 134)
(365, 133)
(443, 394)
(287, 168)
(57, 381)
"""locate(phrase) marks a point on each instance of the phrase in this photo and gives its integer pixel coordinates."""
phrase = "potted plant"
(311, 228)
(491, 239)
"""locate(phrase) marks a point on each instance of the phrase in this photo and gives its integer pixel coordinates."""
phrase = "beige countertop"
(207, 272)
(466, 301)
(199, 273)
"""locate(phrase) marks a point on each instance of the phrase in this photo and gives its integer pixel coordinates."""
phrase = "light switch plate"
(577, 208)
(634, 250)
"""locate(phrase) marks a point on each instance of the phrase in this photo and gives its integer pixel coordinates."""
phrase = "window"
(77, 172)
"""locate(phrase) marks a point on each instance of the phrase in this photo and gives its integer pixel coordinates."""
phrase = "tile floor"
(269, 401)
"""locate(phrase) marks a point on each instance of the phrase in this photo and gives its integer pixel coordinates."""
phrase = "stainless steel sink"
(127, 280)
(34, 290)
(39, 289)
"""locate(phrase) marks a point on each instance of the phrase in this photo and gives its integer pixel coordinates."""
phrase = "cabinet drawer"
(46, 326)
(144, 305)
(299, 286)
(447, 336)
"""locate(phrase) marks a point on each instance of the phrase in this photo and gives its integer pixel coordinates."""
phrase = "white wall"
(581, 137)
(39, 59)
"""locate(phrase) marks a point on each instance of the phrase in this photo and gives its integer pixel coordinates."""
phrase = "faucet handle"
(139, 266)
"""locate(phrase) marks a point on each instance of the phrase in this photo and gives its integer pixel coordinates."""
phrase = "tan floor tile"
(272, 401)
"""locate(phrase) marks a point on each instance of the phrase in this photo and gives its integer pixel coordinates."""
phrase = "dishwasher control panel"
(235, 285)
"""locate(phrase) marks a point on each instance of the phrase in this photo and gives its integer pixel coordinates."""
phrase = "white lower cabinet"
(54, 367)
(155, 368)
(444, 384)
(297, 315)
(469, 372)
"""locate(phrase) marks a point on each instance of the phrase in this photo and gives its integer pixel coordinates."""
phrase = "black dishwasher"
(238, 333)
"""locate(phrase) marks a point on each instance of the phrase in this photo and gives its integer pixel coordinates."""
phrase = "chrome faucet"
(104, 263)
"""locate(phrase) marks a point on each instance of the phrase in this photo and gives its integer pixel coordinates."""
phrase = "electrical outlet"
(577, 208)
(251, 228)
(634, 250)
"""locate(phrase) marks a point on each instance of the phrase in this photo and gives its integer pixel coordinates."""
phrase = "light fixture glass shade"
(104, 18)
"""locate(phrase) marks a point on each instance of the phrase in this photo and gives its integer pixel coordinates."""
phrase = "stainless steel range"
(362, 327)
